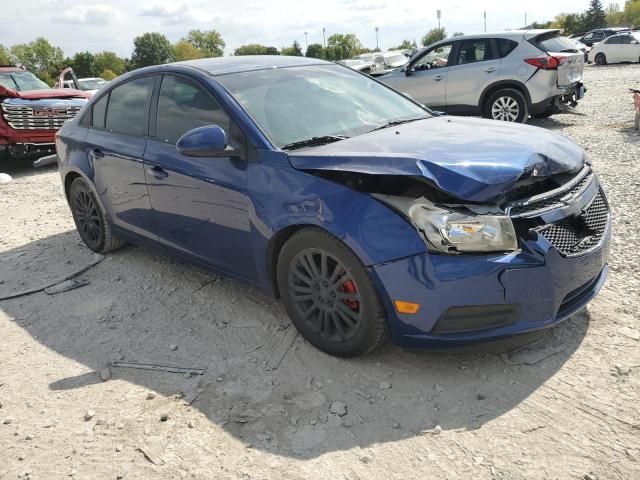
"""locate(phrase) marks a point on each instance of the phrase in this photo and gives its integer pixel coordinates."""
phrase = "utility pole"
(485, 21)
(525, 19)
(306, 43)
(324, 41)
(377, 45)
(439, 13)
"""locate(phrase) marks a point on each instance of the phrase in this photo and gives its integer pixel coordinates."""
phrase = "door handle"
(157, 172)
(437, 78)
(97, 153)
(490, 70)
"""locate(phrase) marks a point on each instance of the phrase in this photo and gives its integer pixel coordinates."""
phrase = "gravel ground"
(270, 406)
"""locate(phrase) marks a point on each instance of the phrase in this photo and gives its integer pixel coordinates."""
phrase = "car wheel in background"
(329, 295)
(90, 219)
(601, 59)
(508, 105)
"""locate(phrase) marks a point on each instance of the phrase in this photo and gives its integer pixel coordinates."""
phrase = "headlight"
(451, 232)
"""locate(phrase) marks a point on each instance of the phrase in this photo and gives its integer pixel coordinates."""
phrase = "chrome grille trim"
(21, 117)
(553, 199)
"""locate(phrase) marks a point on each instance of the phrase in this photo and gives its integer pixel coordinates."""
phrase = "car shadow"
(19, 168)
(262, 383)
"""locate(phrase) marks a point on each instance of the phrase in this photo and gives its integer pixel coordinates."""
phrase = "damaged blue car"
(368, 215)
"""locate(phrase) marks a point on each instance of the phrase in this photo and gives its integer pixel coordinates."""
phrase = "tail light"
(546, 62)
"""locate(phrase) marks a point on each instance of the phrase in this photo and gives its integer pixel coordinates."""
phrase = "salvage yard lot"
(269, 405)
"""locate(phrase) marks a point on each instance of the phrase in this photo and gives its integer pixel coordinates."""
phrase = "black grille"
(554, 201)
(575, 235)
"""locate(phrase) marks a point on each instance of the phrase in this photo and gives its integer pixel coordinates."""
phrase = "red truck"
(31, 112)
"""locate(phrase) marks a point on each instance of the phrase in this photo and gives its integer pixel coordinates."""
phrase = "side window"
(588, 37)
(435, 58)
(128, 111)
(183, 106)
(98, 112)
(625, 39)
(472, 51)
(505, 47)
(613, 41)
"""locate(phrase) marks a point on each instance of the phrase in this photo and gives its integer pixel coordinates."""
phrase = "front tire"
(507, 105)
(329, 295)
(90, 219)
(601, 59)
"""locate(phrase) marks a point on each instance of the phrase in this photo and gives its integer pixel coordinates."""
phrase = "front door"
(200, 206)
(476, 66)
(426, 77)
(116, 143)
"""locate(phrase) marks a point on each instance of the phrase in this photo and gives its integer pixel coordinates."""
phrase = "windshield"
(91, 83)
(22, 81)
(299, 103)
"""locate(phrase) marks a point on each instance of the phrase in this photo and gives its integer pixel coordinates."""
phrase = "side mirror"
(408, 69)
(207, 141)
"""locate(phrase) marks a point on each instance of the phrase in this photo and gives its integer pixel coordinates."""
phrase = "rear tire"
(329, 295)
(601, 59)
(90, 219)
(507, 105)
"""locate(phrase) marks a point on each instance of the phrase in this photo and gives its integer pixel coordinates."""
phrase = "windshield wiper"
(314, 141)
(393, 123)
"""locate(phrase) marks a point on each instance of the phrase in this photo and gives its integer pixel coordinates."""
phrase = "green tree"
(334, 52)
(109, 61)
(184, 50)
(209, 42)
(5, 58)
(255, 49)
(406, 45)
(40, 57)
(595, 16)
(315, 50)
(83, 64)
(457, 34)
(434, 35)
(294, 50)
(631, 13)
(151, 48)
(349, 44)
(615, 16)
(108, 74)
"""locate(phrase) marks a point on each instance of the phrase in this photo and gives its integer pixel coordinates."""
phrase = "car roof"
(248, 63)
(10, 68)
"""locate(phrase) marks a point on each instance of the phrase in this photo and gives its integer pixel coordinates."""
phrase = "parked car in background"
(359, 65)
(352, 203)
(599, 34)
(384, 62)
(504, 76)
(67, 79)
(624, 47)
(31, 112)
(585, 49)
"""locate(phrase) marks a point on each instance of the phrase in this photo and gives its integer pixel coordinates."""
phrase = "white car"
(624, 47)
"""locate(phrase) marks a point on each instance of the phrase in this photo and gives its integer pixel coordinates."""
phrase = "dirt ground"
(565, 406)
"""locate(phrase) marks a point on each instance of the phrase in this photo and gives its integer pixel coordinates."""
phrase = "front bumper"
(504, 294)
(26, 150)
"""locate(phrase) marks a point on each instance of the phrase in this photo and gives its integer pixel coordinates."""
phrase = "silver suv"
(505, 76)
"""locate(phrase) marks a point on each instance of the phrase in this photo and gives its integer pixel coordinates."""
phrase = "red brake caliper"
(350, 287)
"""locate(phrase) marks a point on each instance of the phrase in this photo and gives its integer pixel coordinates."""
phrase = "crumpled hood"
(472, 159)
(36, 94)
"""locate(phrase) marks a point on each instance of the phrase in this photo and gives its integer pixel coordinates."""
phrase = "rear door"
(629, 49)
(426, 77)
(116, 143)
(613, 49)
(572, 67)
(474, 66)
(200, 206)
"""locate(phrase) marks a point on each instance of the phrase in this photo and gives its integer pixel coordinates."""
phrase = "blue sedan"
(368, 215)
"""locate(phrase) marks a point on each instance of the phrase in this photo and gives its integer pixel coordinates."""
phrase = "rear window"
(554, 42)
(505, 47)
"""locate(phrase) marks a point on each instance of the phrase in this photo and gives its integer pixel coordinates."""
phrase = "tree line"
(595, 16)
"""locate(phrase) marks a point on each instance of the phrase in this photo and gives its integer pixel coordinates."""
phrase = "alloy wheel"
(325, 294)
(505, 109)
(87, 218)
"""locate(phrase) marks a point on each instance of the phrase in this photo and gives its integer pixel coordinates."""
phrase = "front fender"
(283, 197)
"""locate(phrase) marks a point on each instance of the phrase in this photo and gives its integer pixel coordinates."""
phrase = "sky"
(77, 25)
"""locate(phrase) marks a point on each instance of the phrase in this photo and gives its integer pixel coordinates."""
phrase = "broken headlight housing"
(453, 231)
